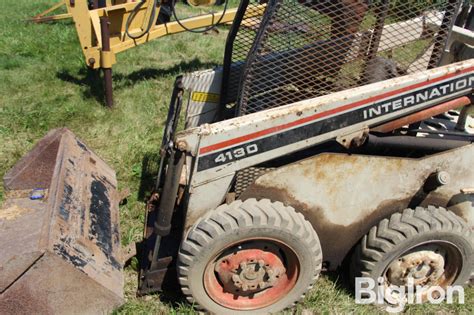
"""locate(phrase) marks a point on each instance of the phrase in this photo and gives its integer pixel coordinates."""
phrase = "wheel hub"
(424, 267)
(249, 270)
(252, 275)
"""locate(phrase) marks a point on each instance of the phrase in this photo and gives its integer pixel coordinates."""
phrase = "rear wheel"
(249, 256)
(422, 247)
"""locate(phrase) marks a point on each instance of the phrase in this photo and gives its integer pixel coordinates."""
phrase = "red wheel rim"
(251, 274)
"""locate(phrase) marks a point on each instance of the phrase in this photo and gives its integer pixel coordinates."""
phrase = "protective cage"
(304, 49)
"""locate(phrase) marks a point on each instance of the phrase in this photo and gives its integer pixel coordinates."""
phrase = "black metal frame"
(229, 49)
(161, 237)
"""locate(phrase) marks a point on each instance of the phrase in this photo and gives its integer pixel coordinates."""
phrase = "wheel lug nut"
(245, 287)
(261, 285)
(261, 263)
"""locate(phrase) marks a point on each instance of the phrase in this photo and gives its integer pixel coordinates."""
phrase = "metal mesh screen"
(248, 28)
(248, 176)
(303, 49)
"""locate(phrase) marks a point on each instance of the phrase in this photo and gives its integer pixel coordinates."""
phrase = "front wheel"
(249, 256)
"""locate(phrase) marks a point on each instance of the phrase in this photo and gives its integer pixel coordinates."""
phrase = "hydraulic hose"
(132, 16)
(213, 26)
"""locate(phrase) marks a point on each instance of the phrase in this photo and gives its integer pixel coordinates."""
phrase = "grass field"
(44, 84)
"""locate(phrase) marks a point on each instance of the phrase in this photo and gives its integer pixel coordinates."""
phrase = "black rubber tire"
(392, 237)
(249, 219)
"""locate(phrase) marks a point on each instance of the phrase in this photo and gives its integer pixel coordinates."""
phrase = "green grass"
(44, 84)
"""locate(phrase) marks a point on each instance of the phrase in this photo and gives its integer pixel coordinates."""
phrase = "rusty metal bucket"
(59, 232)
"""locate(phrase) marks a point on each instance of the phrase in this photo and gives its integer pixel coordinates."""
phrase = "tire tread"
(385, 236)
(237, 215)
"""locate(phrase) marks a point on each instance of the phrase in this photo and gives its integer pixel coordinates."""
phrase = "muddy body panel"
(344, 195)
(60, 210)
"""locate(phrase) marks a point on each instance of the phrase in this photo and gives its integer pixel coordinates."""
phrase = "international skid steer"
(336, 136)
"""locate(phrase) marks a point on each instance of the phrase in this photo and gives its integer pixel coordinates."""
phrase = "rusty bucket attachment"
(59, 232)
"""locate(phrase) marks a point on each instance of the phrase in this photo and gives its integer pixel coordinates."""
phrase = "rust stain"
(21, 300)
(13, 212)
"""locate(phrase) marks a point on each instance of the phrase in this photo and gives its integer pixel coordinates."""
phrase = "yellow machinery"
(45, 17)
(107, 28)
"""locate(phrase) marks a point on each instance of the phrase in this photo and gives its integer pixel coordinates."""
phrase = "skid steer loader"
(336, 135)
(329, 138)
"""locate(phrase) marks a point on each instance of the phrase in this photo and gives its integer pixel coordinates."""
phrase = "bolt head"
(443, 177)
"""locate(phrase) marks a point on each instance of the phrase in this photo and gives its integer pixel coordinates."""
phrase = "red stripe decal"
(250, 136)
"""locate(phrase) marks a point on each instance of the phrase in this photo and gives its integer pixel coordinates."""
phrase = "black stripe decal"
(326, 125)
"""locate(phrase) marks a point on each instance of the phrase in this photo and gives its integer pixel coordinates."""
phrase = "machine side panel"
(343, 195)
(235, 144)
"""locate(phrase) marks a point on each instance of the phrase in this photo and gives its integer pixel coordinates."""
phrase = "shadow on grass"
(149, 171)
(174, 298)
(92, 78)
(86, 77)
(341, 281)
(144, 74)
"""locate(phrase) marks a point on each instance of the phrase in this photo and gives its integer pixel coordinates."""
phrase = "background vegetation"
(44, 84)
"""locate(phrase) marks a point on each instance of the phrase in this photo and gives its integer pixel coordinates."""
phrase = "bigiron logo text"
(419, 97)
